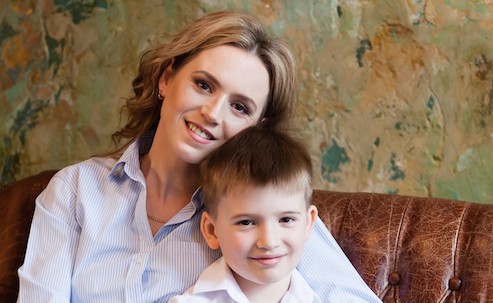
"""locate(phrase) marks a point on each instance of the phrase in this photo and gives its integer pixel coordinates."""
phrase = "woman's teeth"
(199, 132)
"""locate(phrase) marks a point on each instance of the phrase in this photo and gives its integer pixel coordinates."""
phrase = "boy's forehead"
(242, 187)
(262, 193)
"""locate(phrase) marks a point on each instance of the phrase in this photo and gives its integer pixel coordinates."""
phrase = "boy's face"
(261, 232)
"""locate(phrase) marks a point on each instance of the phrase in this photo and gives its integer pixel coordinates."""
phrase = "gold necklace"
(156, 219)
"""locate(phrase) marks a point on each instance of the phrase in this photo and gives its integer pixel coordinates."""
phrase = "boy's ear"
(208, 230)
(311, 215)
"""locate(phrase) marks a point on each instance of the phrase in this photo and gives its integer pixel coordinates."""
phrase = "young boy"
(256, 190)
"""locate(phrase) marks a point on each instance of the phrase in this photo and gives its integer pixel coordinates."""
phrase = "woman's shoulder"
(95, 171)
(90, 168)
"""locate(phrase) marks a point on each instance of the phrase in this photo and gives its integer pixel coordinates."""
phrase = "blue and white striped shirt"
(90, 241)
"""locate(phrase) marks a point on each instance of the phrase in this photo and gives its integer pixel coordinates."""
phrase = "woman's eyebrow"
(209, 76)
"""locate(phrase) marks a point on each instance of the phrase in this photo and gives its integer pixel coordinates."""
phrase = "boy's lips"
(268, 260)
(199, 131)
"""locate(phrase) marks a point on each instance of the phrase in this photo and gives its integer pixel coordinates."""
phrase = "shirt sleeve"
(329, 272)
(46, 273)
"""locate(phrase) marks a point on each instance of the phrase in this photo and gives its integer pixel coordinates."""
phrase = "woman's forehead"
(234, 68)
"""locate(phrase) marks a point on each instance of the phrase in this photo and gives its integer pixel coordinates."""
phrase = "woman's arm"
(329, 272)
(46, 273)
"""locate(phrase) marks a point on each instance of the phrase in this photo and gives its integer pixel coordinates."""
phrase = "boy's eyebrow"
(290, 212)
(217, 83)
(251, 215)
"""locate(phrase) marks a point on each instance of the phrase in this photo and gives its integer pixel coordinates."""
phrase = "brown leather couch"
(407, 249)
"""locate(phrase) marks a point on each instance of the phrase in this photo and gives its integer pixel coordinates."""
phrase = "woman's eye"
(286, 220)
(241, 108)
(204, 86)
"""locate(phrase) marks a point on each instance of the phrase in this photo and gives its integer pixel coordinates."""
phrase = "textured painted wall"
(395, 96)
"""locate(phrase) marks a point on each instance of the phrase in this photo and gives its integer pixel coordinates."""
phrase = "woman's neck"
(169, 186)
(169, 177)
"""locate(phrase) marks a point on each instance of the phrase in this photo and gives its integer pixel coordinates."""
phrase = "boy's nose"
(268, 238)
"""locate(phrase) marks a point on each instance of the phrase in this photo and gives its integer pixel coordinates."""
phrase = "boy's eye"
(286, 220)
(245, 222)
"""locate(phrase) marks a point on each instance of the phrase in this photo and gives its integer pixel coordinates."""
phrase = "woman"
(125, 228)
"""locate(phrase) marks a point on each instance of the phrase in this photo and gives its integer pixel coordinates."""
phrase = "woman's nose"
(213, 110)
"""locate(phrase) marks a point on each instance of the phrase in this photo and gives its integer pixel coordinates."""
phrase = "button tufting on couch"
(407, 249)
(412, 249)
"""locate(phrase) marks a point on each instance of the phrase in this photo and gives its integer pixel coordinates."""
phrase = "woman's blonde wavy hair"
(212, 30)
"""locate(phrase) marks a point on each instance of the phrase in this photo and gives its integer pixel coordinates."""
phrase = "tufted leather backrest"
(411, 249)
(407, 249)
(16, 213)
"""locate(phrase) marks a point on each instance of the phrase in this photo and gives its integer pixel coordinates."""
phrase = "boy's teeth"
(197, 130)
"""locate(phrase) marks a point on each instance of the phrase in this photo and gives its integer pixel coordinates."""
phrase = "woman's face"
(211, 98)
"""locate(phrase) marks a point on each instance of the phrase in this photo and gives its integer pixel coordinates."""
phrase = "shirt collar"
(218, 277)
(300, 289)
(194, 206)
(130, 160)
(197, 198)
(128, 164)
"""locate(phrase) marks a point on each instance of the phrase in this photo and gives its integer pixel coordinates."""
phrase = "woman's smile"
(204, 136)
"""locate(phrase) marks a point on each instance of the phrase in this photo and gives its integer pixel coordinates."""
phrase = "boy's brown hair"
(256, 157)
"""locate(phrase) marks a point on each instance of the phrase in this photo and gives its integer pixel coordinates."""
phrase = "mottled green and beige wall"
(396, 96)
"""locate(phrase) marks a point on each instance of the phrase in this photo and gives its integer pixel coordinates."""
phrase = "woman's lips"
(199, 132)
